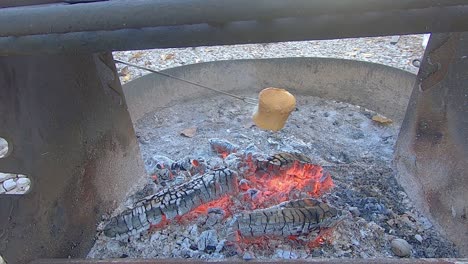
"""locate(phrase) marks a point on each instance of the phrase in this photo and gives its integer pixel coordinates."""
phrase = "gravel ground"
(377, 49)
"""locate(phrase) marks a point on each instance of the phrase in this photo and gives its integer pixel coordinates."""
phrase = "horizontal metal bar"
(287, 29)
(134, 14)
(194, 261)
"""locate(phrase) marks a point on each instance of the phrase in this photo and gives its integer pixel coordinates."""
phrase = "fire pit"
(68, 128)
(218, 187)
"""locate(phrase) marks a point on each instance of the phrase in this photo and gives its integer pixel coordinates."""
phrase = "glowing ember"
(288, 184)
(224, 203)
(161, 224)
(324, 237)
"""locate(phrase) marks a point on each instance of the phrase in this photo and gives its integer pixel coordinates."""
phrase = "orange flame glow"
(288, 184)
(224, 202)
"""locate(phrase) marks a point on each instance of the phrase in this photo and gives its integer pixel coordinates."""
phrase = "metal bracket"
(434, 66)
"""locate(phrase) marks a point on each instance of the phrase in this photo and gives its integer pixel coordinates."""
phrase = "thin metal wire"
(247, 100)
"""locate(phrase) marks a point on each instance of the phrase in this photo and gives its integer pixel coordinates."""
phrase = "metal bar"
(115, 15)
(190, 261)
(286, 29)
(431, 151)
(66, 119)
(15, 3)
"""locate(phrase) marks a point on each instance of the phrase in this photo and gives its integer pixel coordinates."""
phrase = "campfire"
(230, 190)
(251, 195)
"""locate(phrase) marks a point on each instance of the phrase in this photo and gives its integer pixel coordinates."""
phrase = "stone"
(23, 184)
(215, 215)
(354, 211)
(9, 185)
(2, 190)
(220, 246)
(248, 256)
(208, 241)
(418, 237)
(400, 247)
(6, 176)
(3, 151)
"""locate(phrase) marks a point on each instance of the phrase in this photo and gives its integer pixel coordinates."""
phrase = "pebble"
(2, 190)
(418, 238)
(3, 151)
(400, 247)
(6, 176)
(248, 256)
(23, 184)
(208, 240)
(9, 185)
(354, 211)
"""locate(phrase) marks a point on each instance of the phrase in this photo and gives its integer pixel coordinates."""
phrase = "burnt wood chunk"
(296, 217)
(281, 161)
(172, 202)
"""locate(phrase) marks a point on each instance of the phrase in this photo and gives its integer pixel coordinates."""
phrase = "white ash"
(341, 137)
(376, 49)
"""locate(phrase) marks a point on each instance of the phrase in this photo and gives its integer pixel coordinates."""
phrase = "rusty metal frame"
(312, 261)
(67, 122)
(69, 130)
(432, 148)
(126, 25)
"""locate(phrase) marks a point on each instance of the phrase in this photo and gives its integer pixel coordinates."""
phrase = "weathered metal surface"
(432, 148)
(317, 261)
(438, 60)
(327, 26)
(291, 218)
(138, 14)
(172, 202)
(380, 88)
(67, 123)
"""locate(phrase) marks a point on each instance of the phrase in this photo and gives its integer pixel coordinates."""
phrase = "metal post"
(432, 148)
(69, 130)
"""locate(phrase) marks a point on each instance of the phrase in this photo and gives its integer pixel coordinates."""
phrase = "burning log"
(281, 161)
(172, 202)
(291, 218)
(163, 168)
(222, 147)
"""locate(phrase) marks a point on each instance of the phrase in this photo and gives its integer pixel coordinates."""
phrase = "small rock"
(220, 246)
(3, 151)
(418, 238)
(2, 190)
(189, 132)
(357, 135)
(179, 180)
(208, 241)
(23, 184)
(9, 185)
(6, 176)
(166, 57)
(400, 247)
(215, 215)
(248, 256)
(354, 211)
(382, 119)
